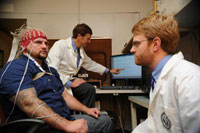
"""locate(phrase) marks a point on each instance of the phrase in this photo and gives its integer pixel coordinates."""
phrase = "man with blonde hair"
(175, 93)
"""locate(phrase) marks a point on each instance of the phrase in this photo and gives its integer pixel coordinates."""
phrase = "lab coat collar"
(171, 63)
(158, 69)
(69, 46)
(168, 66)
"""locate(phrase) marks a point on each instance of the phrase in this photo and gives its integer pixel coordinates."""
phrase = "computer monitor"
(127, 62)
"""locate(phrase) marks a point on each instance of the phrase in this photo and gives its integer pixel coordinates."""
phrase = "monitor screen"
(127, 62)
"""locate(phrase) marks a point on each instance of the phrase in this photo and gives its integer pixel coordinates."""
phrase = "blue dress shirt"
(157, 70)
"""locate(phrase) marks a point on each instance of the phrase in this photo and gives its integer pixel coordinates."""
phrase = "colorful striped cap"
(31, 35)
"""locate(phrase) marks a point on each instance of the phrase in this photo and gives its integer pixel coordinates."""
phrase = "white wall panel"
(113, 18)
(56, 26)
(45, 6)
(115, 25)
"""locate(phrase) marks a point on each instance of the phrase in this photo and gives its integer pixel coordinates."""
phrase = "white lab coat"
(64, 59)
(175, 102)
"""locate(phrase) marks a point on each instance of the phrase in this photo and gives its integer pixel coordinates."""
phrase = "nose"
(132, 50)
(44, 45)
(89, 41)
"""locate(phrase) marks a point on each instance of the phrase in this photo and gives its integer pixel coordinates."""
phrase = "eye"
(38, 42)
(135, 43)
(47, 43)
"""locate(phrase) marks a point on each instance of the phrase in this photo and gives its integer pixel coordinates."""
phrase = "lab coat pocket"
(168, 119)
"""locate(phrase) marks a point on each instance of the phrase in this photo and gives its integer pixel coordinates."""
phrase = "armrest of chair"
(31, 124)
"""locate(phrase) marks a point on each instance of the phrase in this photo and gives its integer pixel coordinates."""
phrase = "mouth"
(85, 45)
(43, 52)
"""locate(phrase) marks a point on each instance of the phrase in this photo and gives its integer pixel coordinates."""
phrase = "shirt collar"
(157, 70)
(44, 63)
(73, 45)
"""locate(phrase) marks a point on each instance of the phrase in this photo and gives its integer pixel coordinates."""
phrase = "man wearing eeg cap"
(34, 36)
(39, 92)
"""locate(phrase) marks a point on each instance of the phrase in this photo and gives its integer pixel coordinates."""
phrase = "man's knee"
(91, 88)
(107, 122)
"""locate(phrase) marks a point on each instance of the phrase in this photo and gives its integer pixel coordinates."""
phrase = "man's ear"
(156, 43)
(79, 35)
(23, 48)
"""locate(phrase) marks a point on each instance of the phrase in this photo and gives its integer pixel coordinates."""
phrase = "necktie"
(152, 83)
(78, 56)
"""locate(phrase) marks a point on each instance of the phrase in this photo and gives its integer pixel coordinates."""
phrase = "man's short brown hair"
(81, 29)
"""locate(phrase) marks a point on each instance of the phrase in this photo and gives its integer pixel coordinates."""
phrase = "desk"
(99, 91)
(139, 100)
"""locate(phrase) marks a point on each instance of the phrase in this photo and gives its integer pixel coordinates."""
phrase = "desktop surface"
(100, 91)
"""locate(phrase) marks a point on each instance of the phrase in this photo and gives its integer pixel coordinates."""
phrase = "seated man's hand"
(77, 82)
(78, 126)
(93, 112)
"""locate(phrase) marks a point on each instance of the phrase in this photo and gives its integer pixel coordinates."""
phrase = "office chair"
(32, 125)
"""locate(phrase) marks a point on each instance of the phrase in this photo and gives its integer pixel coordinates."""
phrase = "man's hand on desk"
(116, 70)
(77, 82)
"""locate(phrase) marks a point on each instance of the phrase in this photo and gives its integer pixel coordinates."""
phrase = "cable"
(26, 68)
(41, 117)
(2, 78)
(49, 69)
(5, 71)
(120, 116)
(37, 109)
(8, 67)
(45, 116)
(25, 71)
